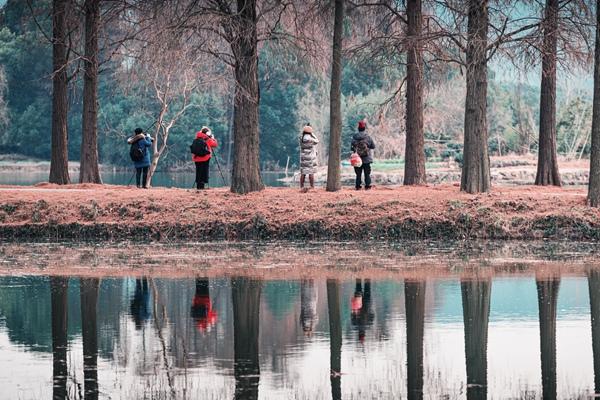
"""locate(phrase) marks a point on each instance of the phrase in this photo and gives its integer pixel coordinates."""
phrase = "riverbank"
(97, 212)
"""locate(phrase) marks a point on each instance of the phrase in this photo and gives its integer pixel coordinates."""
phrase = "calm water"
(268, 321)
(160, 179)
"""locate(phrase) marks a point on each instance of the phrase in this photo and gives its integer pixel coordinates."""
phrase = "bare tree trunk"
(59, 162)
(594, 184)
(245, 295)
(414, 295)
(547, 168)
(58, 298)
(245, 174)
(335, 337)
(476, 312)
(414, 155)
(88, 292)
(475, 176)
(547, 290)
(334, 172)
(89, 170)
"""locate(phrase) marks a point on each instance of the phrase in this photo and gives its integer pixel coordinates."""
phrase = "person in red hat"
(363, 145)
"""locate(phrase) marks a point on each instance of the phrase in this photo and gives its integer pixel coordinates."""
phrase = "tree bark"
(245, 295)
(475, 177)
(476, 312)
(594, 291)
(58, 299)
(547, 167)
(547, 290)
(594, 183)
(59, 162)
(334, 172)
(88, 291)
(335, 337)
(414, 156)
(89, 172)
(245, 174)
(414, 295)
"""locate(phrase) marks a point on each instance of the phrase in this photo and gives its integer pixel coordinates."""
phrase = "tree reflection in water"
(88, 288)
(594, 290)
(414, 294)
(476, 312)
(335, 337)
(58, 298)
(245, 293)
(547, 290)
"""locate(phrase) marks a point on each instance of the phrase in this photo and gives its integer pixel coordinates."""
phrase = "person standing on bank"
(308, 156)
(201, 154)
(363, 145)
(140, 155)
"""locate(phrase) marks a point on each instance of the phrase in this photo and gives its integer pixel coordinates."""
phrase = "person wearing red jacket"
(203, 155)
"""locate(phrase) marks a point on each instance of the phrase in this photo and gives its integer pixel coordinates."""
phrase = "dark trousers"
(141, 173)
(202, 173)
(358, 170)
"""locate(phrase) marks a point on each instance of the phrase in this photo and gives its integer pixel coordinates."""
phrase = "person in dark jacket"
(143, 141)
(363, 145)
(203, 161)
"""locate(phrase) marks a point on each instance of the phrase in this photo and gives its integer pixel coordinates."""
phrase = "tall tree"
(475, 177)
(245, 295)
(476, 313)
(594, 183)
(547, 167)
(414, 165)
(335, 338)
(547, 290)
(58, 298)
(334, 181)
(245, 174)
(88, 292)
(59, 162)
(89, 171)
(414, 295)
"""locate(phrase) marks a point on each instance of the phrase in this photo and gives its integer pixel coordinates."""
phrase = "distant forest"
(293, 92)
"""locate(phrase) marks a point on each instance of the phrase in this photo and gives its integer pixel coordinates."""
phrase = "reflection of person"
(140, 304)
(202, 311)
(362, 315)
(308, 306)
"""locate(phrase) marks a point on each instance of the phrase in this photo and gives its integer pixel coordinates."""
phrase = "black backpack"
(199, 147)
(362, 148)
(136, 153)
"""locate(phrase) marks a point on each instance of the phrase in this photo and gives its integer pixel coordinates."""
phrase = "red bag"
(355, 160)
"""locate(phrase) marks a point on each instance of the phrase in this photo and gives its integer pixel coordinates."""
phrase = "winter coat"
(370, 144)
(210, 143)
(308, 154)
(144, 143)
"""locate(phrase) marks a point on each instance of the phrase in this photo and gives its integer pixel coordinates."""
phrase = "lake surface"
(299, 321)
(161, 179)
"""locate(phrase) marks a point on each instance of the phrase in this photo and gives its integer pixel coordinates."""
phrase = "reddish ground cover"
(391, 212)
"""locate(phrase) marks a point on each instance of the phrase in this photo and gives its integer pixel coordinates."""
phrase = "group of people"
(202, 148)
(362, 146)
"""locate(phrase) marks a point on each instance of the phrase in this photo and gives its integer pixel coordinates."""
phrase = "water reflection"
(476, 313)
(221, 337)
(58, 295)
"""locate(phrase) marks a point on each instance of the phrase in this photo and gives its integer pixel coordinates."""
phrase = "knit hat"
(362, 125)
(307, 129)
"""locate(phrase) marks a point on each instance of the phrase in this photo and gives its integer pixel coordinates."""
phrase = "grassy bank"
(92, 212)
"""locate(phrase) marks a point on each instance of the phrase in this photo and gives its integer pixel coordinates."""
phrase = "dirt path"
(435, 212)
